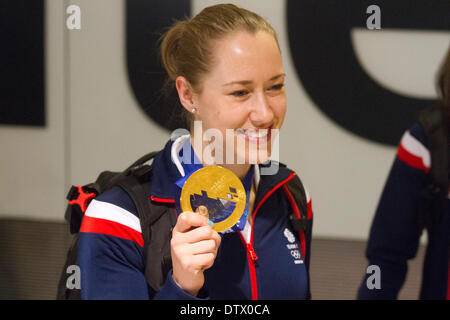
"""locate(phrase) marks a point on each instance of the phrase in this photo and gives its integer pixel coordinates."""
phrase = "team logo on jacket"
(293, 246)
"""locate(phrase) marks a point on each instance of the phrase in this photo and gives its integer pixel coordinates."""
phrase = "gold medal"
(220, 191)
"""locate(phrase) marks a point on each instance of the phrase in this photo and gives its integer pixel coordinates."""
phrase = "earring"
(193, 110)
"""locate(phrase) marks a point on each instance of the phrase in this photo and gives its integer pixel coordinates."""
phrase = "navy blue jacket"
(394, 235)
(271, 265)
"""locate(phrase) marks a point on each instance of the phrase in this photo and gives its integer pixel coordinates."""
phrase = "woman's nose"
(261, 114)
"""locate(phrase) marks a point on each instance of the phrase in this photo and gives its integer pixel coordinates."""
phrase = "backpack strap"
(139, 162)
(435, 191)
(157, 233)
(157, 222)
(299, 218)
(297, 197)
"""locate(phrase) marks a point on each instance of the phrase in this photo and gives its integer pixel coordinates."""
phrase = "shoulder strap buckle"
(78, 196)
(299, 224)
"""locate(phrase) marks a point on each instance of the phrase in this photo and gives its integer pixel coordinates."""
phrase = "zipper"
(251, 258)
(251, 254)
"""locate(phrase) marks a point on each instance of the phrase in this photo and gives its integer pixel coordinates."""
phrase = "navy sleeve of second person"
(394, 235)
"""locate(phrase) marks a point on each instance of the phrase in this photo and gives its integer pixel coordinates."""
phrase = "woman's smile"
(255, 136)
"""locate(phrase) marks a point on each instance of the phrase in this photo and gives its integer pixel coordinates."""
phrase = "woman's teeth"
(258, 134)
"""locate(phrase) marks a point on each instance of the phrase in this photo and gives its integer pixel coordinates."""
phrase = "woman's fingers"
(204, 260)
(194, 246)
(205, 246)
(199, 234)
(192, 227)
(188, 220)
(203, 211)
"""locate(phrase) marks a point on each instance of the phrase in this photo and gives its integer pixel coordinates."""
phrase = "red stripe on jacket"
(103, 226)
(411, 159)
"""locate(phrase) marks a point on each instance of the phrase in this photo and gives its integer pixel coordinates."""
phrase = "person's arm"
(110, 250)
(111, 268)
(394, 235)
(110, 253)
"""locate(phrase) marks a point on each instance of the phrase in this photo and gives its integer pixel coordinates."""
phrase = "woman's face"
(244, 91)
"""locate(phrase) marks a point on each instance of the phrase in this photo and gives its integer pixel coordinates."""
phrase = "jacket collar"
(164, 175)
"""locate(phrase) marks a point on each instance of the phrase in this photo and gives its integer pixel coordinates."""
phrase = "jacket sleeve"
(111, 256)
(111, 268)
(394, 235)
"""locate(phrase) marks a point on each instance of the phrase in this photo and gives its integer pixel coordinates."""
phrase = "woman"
(406, 207)
(226, 66)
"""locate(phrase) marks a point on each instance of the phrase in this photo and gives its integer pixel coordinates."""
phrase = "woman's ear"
(186, 94)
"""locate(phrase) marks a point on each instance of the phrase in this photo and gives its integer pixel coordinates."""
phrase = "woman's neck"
(240, 170)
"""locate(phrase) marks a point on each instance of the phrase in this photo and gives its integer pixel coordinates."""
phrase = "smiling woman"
(226, 66)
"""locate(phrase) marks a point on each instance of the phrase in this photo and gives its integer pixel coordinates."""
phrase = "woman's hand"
(193, 247)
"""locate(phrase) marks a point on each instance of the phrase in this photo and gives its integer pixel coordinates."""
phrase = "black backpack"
(434, 194)
(156, 225)
(135, 180)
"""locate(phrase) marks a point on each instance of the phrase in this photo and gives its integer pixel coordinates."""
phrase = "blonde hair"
(186, 48)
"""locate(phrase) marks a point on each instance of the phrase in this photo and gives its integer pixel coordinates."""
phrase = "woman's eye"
(240, 93)
(277, 87)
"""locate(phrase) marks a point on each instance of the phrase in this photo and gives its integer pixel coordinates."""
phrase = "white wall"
(32, 160)
(93, 116)
(107, 128)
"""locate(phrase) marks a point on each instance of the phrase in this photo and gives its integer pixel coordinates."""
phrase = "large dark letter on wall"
(22, 62)
(322, 50)
(146, 22)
